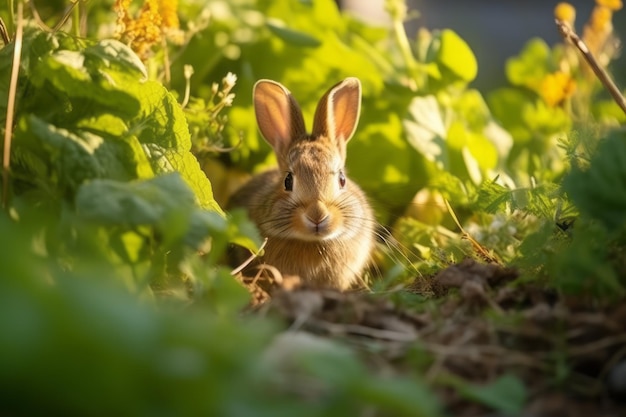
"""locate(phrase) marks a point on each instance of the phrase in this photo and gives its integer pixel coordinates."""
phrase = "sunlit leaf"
(111, 53)
(164, 135)
(280, 29)
(67, 74)
(426, 130)
(456, 55)
(529, 68)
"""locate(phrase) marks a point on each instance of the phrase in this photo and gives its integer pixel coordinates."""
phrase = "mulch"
(474, 322)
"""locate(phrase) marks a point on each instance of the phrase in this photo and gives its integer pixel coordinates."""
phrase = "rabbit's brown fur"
(319, 224)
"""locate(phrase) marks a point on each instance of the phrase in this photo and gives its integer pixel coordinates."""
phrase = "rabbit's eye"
(289, 182)
(342, 179)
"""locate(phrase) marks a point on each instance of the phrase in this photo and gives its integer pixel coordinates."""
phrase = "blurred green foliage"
(81, 344)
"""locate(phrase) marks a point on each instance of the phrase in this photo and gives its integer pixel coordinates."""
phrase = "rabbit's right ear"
(278, 115)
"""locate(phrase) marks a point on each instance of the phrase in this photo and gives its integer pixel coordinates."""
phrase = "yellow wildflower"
(121, 8)
(142, 32)
(598, 30)
(556, 87)
(169, 17)
(610, 4)
(170, 22)
(565, 12)
(600, 19)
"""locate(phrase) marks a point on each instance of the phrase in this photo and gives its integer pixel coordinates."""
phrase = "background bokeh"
(496, 30)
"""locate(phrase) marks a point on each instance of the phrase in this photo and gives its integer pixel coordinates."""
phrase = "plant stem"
(397, 12)
(568, 33)
(76, 19)
(10, 24)
(8, 129)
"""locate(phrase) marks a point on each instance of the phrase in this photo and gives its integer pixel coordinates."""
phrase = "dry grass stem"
(249, 260)
(8, 129)
(568, 33)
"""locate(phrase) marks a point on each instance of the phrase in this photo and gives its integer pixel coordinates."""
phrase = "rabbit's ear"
(278, 115)
(338, 111)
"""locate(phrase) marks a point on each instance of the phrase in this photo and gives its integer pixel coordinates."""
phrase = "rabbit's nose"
(318, 214)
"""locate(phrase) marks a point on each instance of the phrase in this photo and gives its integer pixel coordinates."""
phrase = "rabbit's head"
(312, 200)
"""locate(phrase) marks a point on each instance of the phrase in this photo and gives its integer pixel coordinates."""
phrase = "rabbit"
(318, 223)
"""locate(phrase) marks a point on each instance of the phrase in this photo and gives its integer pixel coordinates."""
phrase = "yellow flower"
(610, 4)
(600, 19)
(598, 30)
(565, 12)
(170, 22)
(169, 17)
(556, 87)
(147, 28)
(121, 9)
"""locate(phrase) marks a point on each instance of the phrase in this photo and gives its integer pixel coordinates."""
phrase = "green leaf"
(146, 202)
(66, 72)
(483, 151)
(456, 55)
(69, 157)
(590, 263)
(507, 105)
(492, 197)
(395, 178)
(112, 54)
(544, 120)
(600, 191)
(405, 397)
(165, 203)
(471, 155)
(243, 231)
(198, 363)
(530, 66)
(164, 136)
(35, 43)
(541, 200)
(294, 37)
(426, 130)
(506, 394)
(97, 119)
(608, 112)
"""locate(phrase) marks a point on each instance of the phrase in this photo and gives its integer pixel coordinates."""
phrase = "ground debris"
(478, 324)
(471, 272)
(350, 314)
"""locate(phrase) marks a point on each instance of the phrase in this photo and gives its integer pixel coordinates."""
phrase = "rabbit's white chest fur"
(334, 263)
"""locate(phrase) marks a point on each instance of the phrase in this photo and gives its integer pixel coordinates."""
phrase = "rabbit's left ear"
(338, 112)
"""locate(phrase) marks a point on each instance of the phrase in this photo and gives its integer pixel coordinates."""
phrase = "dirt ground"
(475, 322)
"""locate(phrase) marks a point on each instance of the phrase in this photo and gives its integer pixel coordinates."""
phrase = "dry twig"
(568, 33)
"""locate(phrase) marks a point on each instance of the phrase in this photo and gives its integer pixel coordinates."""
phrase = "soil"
(475, 322)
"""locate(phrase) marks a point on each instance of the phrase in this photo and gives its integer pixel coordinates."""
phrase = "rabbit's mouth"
(317, 229)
